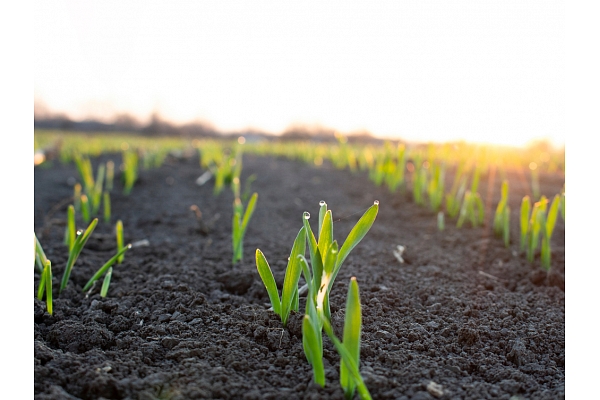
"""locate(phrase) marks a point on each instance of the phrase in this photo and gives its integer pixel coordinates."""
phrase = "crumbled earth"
(463, 317)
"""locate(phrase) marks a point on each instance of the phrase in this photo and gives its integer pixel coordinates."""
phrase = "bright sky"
(483, 71)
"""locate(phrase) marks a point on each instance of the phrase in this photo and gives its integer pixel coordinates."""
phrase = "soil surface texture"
(462, 317)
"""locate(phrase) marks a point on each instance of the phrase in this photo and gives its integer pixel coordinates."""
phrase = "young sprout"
(104, 269)
(96, 195)
(40, 256)
(80, 241)
(120, 240)
(71, 230)
(471, 209)
(46, 285)
(502, 216)
(547, 230)
(326, 260)
(525, 209)
(536, 224)
(130, 170)
(289, 293)
(349, 349)
(241, 224)
(85, 209)
(106, 202)
(435, 189)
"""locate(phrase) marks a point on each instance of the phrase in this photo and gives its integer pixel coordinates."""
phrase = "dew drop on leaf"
(376, 202)
(322, 203)
(306, 215)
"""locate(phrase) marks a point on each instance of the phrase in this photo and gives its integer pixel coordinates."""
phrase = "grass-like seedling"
(524, 221)
(40, 256)
(85, 209)
(71, 230)
(240, 224)
(80, 241)
(420, 185)
(96, 195)
(46, 286)
(104, 269)
(502, 216)
(325, 258)
(548, 223)
(289, 293)
(537, 223)
(454, 198)
(130, 170)
(45, 267)
(435, 188)
(471, 210)
(120, 240)
(349, 349)
(106, 203)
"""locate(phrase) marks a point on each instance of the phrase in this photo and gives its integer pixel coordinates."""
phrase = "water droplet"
(79, 232)
(306, 215)
(376, 202)
(322, 203)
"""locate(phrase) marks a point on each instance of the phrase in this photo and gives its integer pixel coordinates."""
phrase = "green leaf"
(48, 282)
(311, 335)
(249, 211)
(105, 267)
(352, 333)
(264, 270)
(315, 254)
(80, 241)
(552, 216)
(322, 211)
(106, 283)
(326, 233)
(292, 275)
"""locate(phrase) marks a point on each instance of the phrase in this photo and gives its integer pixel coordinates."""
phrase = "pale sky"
(482, 71)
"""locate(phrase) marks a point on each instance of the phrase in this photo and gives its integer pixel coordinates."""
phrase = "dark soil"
(180, 322)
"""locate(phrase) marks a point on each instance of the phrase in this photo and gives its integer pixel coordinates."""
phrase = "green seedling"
(120, 240)
(241, 224)
(130, 170)
(454, 198)
(420, 185)
(536, 224)
(349, 349)
(471, 210)
(548, 223)
(106, 203)
(289, 293)
(40, 257)
(84, 166)
(110, 175)
(71, 230)
(85, 209)
(524, 220)
(46, 285)
(435, 188)
(96, 195)
(327, 261)
(80, 241)
(104, 269)
(502, 216)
